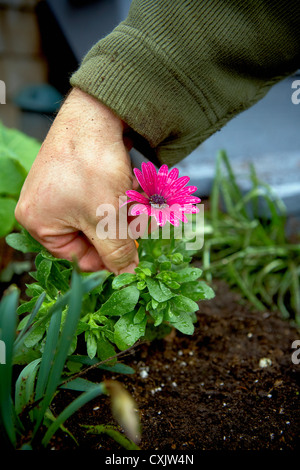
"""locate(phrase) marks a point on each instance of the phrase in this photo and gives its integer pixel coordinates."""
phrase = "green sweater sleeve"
(176, 71)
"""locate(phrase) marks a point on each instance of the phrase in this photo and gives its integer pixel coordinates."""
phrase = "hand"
(83, 162)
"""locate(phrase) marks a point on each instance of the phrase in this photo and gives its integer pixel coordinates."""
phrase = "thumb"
(115, 247)
(117, 255)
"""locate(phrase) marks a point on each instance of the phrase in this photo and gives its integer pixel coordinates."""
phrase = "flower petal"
(138, 209)
(150, 176)
(190, 209)
(162, 178)
(180, 215)
(172, 219)
(160, 215)
(173, 175)
(177, 185)
(183, 200)
(187, 190)
(136, 196)
(143, 184)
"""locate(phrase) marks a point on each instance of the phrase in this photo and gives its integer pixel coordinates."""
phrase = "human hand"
(83, 162)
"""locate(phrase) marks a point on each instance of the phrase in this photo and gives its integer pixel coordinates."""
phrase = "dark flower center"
(157, 199)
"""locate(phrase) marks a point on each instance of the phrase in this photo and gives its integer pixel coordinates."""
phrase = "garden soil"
(208, 391)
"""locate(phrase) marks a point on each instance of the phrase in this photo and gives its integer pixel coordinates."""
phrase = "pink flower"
(167, 196)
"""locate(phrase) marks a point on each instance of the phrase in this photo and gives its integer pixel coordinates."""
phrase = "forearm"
(177, 71)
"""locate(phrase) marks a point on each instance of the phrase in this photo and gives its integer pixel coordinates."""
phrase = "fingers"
(92, 254)
(117, 255)
(75, 246)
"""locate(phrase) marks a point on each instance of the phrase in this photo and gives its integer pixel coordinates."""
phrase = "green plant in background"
(26, 421)
(246, 243)
(17, 153)
(163, 293)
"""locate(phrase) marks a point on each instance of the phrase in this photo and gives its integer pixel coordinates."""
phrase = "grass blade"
(113, 433)
(63, 345)
(30, 320)
(48, 354)
(8, 323)
(84, 398)
(24, 390)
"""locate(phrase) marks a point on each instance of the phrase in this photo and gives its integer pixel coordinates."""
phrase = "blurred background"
(42, 43)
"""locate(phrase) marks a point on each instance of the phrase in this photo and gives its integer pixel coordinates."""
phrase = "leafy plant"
(246, 243)
(26, 420)
(17, 153)
(163, 293)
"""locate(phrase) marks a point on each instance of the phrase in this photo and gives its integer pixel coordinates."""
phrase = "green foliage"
(17, 153)
(247, 245)
(164, 291)
(26, 412)
(26, 420)
(112, 432)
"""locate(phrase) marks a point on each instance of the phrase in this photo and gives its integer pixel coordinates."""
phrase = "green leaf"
(79, 385)
(159, 292)
(23, 242)
(183, 323)
(158, 316)
(123, 280)
(126, 332)
(172, 284)
(118, 368)
(105, 349)
(91, 344)
(17, 145)
(12, 176)
(35, 336)
(165, 266)
(23, 355)
(24, 391)
(8, 320)
(205, 290)
(27, 307)
(184, 304)
(33, 290)
(197, 290)
(147, 267)
(14, 267)
(58, 279)
(121, 302)
(187, 274)
(113, 433)
(7, 215)
(43, 272)
(141, 285)
(140, 315)
(176, 258)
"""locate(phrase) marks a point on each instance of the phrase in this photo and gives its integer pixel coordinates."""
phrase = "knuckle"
(121, 255)
(22, 211)
(25, 215)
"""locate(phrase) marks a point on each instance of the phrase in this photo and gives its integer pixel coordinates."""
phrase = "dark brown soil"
(202, 392)
(207, 391)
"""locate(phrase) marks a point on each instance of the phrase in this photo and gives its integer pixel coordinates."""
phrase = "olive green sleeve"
(177, 71)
